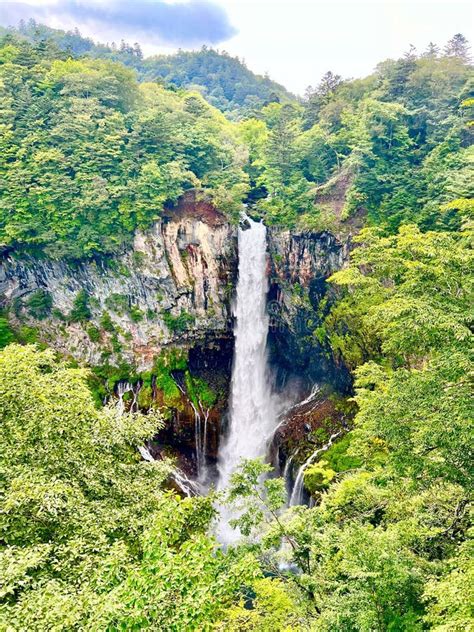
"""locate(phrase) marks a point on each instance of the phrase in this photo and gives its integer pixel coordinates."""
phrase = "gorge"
(217, 422)
(168, 339)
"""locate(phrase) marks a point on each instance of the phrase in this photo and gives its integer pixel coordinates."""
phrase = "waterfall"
(297, 493)
(200, 435)
(121, 388)
(186, 485)
(252, 409)
(200, 432)
(287, 473)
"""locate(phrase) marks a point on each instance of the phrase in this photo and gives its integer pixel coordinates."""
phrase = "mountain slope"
(225, 81)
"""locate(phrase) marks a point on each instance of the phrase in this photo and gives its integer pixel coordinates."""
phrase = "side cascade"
(253, 410)
(297, 497)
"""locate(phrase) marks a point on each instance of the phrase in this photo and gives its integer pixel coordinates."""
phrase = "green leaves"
(89, 156)
(255, 498)
(90, 539)
(413, 297)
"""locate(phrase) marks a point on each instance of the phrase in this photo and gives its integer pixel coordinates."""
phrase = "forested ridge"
(225, 81)
(91, 536)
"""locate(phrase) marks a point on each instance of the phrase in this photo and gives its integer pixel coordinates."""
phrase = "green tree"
(90, 537)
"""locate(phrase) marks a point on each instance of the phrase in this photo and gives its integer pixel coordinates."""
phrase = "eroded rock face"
(300, 266)
(173, 286)
(173, 289)
(305, 257)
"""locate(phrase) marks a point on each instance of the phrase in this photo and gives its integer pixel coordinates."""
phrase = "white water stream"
(297, 493)
(253, 414)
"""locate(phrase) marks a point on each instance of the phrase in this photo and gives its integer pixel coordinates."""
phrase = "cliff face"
(161, 313)
(173, 286)
(300, 266)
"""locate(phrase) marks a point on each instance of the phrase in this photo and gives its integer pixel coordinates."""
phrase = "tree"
(432, 51)
(89, 156)
(80, 309)
(316, 98)
(90, 537)
(458, 46)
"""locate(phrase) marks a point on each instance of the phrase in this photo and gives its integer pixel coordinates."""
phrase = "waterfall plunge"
(253, 415)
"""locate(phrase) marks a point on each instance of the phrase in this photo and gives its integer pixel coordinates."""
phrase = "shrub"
(178, 324)
(94, 333)
(106, 322)
(118, 303)
(6, 334)
(136, 314)
(40, 304)
(80, 308)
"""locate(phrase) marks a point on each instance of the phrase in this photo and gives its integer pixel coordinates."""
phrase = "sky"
(294, 41)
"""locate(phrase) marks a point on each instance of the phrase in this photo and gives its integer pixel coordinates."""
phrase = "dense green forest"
(225, 81)
(85, 141)
(91, 537)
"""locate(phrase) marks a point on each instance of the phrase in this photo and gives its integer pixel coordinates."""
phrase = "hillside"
(223, 80)
(85, 135)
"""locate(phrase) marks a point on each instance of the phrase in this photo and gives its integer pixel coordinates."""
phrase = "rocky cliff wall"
(173, 286)
(161, 313)
(300, 298)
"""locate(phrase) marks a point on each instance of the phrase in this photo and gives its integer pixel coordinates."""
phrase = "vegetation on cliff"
(394, 147)
(89, 155)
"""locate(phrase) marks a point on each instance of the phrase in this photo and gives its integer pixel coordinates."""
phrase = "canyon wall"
(172, 286)
(158, 317)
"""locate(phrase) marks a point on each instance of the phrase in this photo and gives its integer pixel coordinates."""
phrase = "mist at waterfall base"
(254, 410)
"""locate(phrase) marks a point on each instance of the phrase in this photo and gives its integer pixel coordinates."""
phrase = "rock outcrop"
(161, 313)
(172, 286)
(300, 266)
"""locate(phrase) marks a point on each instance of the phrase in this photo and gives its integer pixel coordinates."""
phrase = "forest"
(96, 146)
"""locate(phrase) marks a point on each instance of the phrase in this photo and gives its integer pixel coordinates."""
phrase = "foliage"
(318, 476)
(6, 334)
(393, 146)
(223, 80)
(80, 308)
(164, 365)
(199, 392)
(89, 155)
(416, 297)
(338, 457)
(40, 304)
(94, 333)
(178, 324)
(90, 539)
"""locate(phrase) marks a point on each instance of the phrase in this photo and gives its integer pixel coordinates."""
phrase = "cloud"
(188, 23)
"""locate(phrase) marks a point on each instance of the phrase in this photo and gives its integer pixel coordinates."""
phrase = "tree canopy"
(89, 155)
